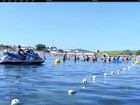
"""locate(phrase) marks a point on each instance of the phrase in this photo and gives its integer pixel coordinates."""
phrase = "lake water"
(48, 84)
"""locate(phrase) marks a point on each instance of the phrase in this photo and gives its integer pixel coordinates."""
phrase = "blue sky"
(70, 25)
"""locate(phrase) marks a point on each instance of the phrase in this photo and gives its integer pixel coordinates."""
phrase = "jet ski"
(28, 58)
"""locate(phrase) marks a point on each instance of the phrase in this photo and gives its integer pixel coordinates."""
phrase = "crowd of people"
(85, 57)
(94, 58)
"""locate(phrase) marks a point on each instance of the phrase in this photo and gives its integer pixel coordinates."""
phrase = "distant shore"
(111, 53)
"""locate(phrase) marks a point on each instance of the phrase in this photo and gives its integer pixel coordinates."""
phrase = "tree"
(137, 52)
(127, 52)
(40, 47)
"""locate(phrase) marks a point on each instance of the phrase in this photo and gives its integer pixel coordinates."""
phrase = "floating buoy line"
(84, 81)
(105, 74)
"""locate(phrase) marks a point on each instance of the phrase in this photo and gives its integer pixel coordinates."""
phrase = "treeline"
(2, 47)
(124, 52)
(42, 47)
(38, 47)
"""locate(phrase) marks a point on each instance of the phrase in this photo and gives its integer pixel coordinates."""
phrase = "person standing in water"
(75, 58)
(104, 58)
(64, 57)
(87, 58)
(109, 59)
(83, 58)
(94, 58)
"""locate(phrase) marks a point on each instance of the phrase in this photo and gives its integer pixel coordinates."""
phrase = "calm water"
(47, 84)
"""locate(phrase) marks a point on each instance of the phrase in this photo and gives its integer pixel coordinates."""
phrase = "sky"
(91, 26)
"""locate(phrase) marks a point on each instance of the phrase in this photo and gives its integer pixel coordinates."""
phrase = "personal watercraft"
(28, 58)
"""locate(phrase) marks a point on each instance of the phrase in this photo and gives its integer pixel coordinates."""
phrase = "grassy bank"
(112, 53)
(123, 52)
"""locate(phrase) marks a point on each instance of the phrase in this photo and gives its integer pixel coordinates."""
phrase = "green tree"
(137, 52)
(127, 52)
(40, 47)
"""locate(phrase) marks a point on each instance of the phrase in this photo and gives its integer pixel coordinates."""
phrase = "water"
(47, 84)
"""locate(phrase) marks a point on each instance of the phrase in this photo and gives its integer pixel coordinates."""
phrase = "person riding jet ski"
(21, 52)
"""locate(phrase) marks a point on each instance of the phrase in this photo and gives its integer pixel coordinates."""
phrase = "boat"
(28, 58)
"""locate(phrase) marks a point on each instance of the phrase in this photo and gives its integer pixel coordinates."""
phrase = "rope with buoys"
(105, 74)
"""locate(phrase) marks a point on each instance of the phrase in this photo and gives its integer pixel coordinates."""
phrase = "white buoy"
(94, 77)
(124, 72)
(124, 69)
(112, 72)
(71, 92)
(84, 81)
(129, 67)
(133, 65)
(105, 74)
(83, 87)
(15, 102)
(118, 72)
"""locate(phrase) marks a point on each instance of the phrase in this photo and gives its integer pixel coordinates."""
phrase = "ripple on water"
(48, 84)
